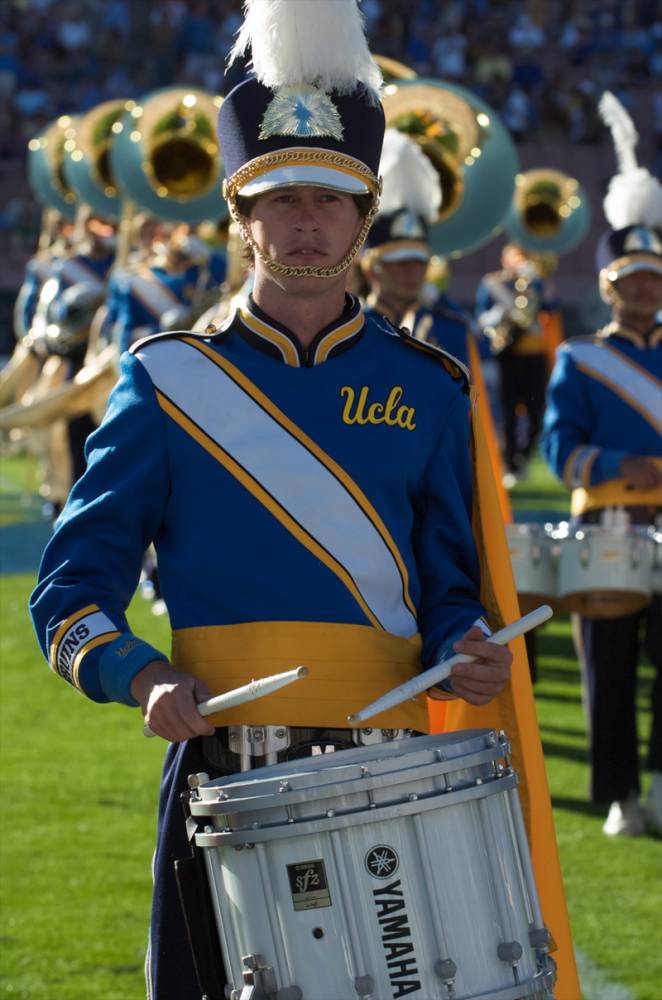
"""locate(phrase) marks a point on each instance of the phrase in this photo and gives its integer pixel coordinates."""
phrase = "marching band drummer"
(304, 472)
(603, 437)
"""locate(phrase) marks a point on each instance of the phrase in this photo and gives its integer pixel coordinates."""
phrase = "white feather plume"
(623, 131)
(634, 199)
(317, 42)
(410, 180)
(634, 196)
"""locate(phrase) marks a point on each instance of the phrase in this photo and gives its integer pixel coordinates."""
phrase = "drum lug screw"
(279, 734)
(413, 797)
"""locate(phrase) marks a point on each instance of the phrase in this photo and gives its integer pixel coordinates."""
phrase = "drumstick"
(441, 670)
(249, 692)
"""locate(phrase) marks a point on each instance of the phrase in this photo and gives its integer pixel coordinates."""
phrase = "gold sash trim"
(350, 666)
(615, 493)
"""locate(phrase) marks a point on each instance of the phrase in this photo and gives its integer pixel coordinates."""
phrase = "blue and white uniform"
(605, 404)
(152, 298)
(306, 506)
(212, 442)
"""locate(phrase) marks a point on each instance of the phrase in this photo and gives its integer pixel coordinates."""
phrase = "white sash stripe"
(287, 470)
(76, 273)
(153, 294)
(637, 385)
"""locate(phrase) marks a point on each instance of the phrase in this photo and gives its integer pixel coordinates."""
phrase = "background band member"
(507, 306)
(397, 255)
(603, 436)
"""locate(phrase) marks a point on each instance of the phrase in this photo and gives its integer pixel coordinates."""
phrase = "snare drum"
(385, 871)
(606, 572)
(534, 564)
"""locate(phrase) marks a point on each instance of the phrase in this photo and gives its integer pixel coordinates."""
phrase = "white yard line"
(595, 984)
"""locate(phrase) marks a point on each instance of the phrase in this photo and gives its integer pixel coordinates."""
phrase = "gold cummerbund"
(615, 493)
(350, 666)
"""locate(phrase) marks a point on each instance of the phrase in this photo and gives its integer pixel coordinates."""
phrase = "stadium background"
(542, 66)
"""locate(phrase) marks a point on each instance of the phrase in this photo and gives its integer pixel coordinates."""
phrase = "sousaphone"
(87, 161)
(471, 150)
(46, 168)
(549, 213)
(165, 155)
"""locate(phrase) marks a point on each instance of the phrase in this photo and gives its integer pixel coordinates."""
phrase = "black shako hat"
(634, 248)
(300, 134)
(400, 235)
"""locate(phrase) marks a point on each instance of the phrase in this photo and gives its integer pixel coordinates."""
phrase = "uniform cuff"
(121, 661)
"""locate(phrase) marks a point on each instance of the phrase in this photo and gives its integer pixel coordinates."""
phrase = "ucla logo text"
(392, 412)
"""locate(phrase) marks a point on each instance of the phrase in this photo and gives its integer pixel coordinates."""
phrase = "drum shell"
(454, 839)
(606, 573)
(534, 562)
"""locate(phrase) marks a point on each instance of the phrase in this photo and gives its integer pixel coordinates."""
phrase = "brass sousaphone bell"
(165, 156)
(87, 157)
(549, 212)
(471, 151)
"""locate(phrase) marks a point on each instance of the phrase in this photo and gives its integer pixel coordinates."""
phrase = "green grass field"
(80, 785)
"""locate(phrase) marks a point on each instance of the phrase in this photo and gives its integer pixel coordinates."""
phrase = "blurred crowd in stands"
(541, 65)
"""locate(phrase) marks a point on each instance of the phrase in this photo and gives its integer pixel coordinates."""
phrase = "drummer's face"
(641, 292)
(305, 225)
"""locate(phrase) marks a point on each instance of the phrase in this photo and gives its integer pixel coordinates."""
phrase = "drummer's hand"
(485, 678)
(641, 473)
(169, 699)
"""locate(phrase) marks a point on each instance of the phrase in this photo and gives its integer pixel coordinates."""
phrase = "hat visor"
(630, 265)
(304, 174)
(406, 253)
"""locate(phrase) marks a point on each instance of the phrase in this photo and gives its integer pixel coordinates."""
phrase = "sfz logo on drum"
(381, 861)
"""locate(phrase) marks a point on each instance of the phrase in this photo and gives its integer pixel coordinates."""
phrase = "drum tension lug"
(446, 969)
(510, 951)
(260, 983)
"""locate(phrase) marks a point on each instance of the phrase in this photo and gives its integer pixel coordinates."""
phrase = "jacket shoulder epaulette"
(167, 335)
(453, 366)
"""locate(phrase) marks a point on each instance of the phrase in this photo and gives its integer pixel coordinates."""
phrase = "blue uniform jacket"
(385, 415)
(593, 423)
(438, 325)
(134, 314)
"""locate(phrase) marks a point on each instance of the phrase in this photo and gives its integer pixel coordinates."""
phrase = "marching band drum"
(387, 870)
(604, 570)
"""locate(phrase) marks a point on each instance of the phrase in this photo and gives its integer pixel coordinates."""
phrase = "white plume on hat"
(410, 181)
(316, 42)
(634, 196)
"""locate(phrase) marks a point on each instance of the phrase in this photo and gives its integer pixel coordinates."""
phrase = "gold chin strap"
(303, 270)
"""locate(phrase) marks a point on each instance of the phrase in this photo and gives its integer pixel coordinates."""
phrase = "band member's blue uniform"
(604, 407)
(150, 478)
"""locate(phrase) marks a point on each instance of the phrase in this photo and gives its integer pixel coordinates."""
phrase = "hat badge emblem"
(407, 225)
(302, 111)
(642, 239)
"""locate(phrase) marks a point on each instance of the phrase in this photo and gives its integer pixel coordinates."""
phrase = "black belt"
(218, 754)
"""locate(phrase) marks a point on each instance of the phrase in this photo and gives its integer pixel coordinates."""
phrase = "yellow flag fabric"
(484, 415)
(552, 333)
(514, 711)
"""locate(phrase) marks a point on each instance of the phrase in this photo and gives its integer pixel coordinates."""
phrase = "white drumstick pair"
(267, 685)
